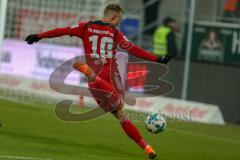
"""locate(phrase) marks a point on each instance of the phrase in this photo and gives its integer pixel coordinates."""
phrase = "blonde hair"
(113, 7)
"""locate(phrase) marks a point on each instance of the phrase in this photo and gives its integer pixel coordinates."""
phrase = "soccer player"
(100, 40)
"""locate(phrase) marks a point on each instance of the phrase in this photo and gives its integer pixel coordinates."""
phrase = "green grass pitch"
(34, 133)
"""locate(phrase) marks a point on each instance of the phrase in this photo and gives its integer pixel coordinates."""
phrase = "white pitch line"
(206, 136)
(22, 158)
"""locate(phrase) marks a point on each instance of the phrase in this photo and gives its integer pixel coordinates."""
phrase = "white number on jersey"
(105, 51)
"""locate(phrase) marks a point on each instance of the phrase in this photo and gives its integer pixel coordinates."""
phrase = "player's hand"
(32, 38)
(165, 59)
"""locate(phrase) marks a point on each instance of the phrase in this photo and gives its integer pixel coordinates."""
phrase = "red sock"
(133, 133)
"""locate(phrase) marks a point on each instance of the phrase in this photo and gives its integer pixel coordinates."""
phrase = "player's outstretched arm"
(139, 52)
(75, 30)
(57, 32)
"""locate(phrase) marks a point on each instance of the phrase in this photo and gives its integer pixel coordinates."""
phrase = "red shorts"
(108, 91)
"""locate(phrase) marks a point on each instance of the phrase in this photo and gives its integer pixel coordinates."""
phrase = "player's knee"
(118, 106)
(119, 114)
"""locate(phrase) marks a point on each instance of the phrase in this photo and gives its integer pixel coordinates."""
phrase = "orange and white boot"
(151, 153)
(85, 69)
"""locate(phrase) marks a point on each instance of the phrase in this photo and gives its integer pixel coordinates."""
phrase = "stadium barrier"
(176, 109)
(27, 90)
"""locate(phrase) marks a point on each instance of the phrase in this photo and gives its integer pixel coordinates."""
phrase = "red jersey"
(100, 41)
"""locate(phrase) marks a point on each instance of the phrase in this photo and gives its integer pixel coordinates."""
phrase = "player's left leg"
(131, 130)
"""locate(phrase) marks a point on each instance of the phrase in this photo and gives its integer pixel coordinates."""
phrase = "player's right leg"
(131, 130)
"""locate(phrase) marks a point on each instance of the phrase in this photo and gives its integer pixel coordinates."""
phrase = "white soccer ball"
(155, 123)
